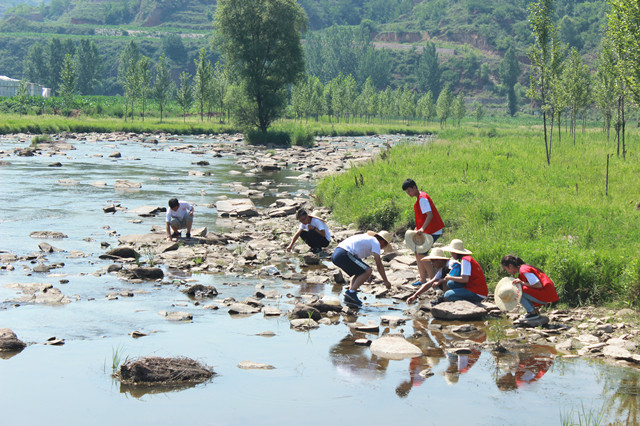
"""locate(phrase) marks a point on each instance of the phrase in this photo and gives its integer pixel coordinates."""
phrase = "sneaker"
(417, 283)
(351, 299)
(533, 315)
(316, 250)
(188, 235)
(176, 234)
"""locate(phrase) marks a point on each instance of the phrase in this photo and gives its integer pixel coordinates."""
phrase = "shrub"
(302, 137)
(381, 217)
(256, 137)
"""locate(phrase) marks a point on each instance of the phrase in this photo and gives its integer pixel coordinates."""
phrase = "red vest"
(477, 282)
(547, 293)
(436, 223)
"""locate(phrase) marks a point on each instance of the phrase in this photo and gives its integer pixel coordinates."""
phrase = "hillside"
(471, 36)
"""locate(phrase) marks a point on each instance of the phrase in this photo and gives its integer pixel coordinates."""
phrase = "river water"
(321, 376)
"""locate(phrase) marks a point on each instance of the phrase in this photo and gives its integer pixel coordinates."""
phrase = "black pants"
(314, 240)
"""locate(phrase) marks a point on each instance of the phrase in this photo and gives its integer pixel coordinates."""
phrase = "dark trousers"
(314, 240)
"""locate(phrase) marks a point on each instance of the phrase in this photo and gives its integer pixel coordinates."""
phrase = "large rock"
(147, 211)
(201, 291)
(163, 371)
(242, 309)
(47, 234)
(305, 311)
(9, 342)
(617, 352)
(394, 347)
(146, 273)
(39, 293)
(238, 207)
(126, 184)
(459, 310)
(122, 252)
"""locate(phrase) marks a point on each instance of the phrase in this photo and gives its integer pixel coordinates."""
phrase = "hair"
(512, 260)
(381, 240)
(173, 203)
(300, 213)
(409, 183)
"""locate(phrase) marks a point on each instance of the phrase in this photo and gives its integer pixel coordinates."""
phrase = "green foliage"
(302, 137)
(380, 216)
(260, 42)
(277, 138)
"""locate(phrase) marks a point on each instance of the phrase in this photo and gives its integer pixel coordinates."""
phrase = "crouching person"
(348, 257)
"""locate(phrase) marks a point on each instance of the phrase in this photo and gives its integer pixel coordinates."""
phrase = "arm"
(293, 240)
(169, 232)
(462, 279)
(191, 209)
(426, 286)
(426, 222)
(319, 231)
(380, 267)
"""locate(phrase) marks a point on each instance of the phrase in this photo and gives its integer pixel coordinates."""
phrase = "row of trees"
(342, 100)
(562, 84)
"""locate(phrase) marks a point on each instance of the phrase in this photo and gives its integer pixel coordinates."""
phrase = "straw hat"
(437, 254)
(385, 236)
(507, 294)
(418, 242)
(456, 246)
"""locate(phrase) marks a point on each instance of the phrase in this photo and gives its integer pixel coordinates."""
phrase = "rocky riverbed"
(240, 237)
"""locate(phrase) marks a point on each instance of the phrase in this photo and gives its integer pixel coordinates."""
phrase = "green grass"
(499, 196)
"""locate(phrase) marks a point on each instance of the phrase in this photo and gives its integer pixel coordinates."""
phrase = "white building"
(10, 86)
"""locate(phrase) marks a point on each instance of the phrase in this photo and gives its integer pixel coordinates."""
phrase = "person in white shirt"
(179, 216)
(348, 257)
(313, 231)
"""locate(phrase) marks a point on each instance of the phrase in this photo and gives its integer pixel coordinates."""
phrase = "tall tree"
(143, 82)
(605, 87)
(509, 72)
(623, 29)
(428, 70)
(202, 81)
(576, 81)
(427, 106)
(459, 108)
(23, 96)
(444, 105)
(162, 86)
(127, 75)
(68, 80)
(56, 54)
(184, 95)
(88, 67)
(543, 31)
(260, 42)
(220, 86)
(35, 65)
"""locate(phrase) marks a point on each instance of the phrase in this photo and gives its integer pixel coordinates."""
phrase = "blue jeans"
(527, 301)
(458, 291)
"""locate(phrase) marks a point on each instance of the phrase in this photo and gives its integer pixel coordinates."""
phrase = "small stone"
(250, 365)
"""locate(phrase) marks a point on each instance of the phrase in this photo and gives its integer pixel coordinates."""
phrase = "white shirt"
(466, 268)
(361, 245)
(425, 208)
(320, 225)
(531, 278)
(182, 211)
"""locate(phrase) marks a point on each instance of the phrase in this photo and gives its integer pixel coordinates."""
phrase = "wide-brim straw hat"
(507, 295)
(437, 254)
(385, 236)
(418, 242)
(456, 246)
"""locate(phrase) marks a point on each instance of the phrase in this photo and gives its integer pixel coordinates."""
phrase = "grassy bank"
(495, 192)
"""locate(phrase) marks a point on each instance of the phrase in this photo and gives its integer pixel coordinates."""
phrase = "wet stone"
(163, 371)
(200, 291)
(242, 309)
(9, 342)
(47, 234)
(177, 316)
(250, 365)
(394, 347)
(303, 324)
(459, 310)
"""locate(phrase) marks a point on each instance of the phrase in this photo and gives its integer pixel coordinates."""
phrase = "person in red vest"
(537, 288)
(471, 285)
(428, 220)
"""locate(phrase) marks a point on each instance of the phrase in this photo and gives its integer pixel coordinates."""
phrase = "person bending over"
(179, 216)
(313, 231)
(537, 287)
(348, 257)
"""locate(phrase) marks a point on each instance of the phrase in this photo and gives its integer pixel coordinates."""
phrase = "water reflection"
(519, 369)
(140, 391)
(622, 392)
(356, 361)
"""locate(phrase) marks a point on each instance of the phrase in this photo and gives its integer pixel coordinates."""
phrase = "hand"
(169, 238)
(387, 284)
(288, 248)
(190, 212)
(411, 299)
(311, 227)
